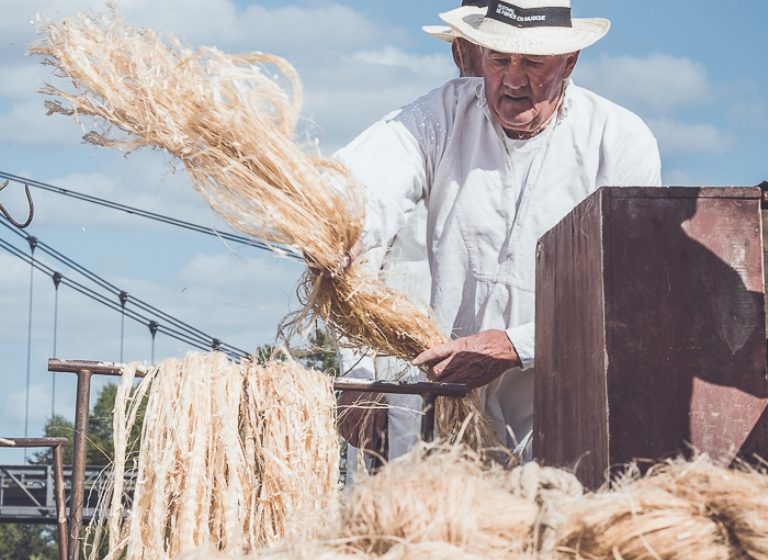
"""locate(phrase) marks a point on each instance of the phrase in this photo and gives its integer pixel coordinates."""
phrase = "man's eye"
(534, 61)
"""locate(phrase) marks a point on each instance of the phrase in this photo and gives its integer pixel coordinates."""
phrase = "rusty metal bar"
(428, 416)
(55, 443)
(98, 368)
(61, 509)
(343, 384)
(78, 462)
(402, 388)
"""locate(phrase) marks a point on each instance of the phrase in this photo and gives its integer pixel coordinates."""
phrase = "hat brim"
(442, 32)
(544, 41)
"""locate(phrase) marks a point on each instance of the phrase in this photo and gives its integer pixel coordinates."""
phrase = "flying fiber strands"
(233, 457)
(446, 504)
(230, 120)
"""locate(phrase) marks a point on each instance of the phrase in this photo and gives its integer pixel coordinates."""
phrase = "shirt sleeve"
(523, 338)
(630, 155)
(393, 161)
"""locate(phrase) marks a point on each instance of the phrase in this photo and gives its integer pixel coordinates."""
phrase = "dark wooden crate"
(650, 330)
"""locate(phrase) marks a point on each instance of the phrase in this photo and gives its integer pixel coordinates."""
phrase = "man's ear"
(458, 55)
(570, 63)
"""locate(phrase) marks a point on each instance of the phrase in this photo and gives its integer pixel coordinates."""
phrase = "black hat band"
(529, 17)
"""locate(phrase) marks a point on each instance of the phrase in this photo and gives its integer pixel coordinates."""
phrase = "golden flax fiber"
(230, 120)
(233, 457)
(446, 503)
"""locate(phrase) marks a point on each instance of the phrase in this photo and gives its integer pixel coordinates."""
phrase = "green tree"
(322, 353)
(100, 447)
(27, 542)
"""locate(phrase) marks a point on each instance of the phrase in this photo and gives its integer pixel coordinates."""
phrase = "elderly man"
(498, 161)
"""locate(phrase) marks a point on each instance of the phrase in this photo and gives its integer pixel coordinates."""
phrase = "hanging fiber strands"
(232, 457)
(230, 120)
(445, 503)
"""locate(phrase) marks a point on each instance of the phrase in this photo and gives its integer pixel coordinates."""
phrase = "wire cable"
(193, 332)
(250, 241)
(204, 343)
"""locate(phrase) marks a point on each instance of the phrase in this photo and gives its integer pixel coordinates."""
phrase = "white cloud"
(284, 29)
(680, 138)
(346, 97)
(657, 83)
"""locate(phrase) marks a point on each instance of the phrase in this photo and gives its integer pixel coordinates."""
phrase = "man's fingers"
(434, 355)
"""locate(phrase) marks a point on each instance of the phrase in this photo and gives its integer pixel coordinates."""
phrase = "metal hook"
(29, 201)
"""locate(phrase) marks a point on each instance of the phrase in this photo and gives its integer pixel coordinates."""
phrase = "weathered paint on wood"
(650, 331)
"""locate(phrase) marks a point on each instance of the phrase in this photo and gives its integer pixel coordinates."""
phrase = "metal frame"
(85, 370)
(58, 476)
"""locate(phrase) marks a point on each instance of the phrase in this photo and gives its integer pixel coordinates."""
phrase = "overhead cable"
(250, 241)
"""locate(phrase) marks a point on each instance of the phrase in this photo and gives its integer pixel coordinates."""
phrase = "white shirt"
(488, 200)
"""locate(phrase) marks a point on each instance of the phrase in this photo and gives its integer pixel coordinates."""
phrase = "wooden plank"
(686, 334)
(651, 330)
(571, 407)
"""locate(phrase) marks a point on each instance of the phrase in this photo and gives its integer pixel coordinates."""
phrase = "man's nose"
(515, 76)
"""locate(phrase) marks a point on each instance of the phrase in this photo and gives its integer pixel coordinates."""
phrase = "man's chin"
(518, 128)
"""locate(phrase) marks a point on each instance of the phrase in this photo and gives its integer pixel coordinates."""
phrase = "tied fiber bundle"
(681, 510)
(230, 120)
(232, 457)
(443, 497)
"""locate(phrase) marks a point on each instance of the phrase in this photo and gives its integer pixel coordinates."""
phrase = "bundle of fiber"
(435, 496)
(554, 491)
(680, 510)
(232, 457)
(230, 120)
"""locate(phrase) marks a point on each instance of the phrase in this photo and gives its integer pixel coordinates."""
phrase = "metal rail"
(86, 369)
(58, 473)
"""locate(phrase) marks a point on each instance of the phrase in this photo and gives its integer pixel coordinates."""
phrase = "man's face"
(523, 90)
(468, 58)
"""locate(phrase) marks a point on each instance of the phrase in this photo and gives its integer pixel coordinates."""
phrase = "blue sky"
(694, 70)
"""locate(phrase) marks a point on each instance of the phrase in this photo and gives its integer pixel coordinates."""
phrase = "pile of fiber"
(232, 457)
(441, 503)
(230, 120)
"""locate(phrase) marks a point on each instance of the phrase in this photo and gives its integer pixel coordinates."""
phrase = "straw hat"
(536, 27)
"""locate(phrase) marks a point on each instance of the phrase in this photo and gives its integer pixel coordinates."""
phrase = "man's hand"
(362, 419)
(475, 360)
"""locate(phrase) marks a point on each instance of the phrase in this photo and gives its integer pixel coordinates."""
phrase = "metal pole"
(61, 508)
(428, 416)
(55, 444)
(78, 462)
